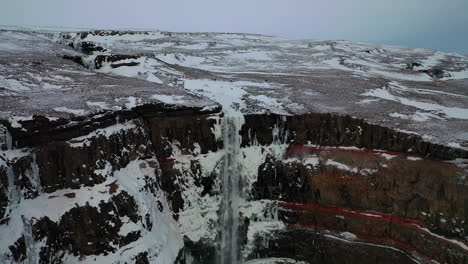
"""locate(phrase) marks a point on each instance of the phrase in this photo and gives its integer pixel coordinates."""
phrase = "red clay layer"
(414, 225)
(166, 160)
(113, 187)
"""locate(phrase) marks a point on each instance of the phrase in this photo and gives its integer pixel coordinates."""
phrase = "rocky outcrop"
(316, 247)
(335, 130)
(79, 163)
(321, 186)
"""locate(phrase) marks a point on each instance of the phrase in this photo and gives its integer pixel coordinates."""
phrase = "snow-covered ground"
(418, 90)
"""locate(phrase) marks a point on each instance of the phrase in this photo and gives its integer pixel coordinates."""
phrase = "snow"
(454, 145)
(387, 156)
(453, 241)
(229, 94)
(83, 141)
(340, 166)
(169, 99)
(267, 102)
(102, 106)
(418, 116)
(144, 65)
(162, 242)
(181, 59)
(257, 55)
(77, 112)
(13, 85)
(344, 167)
(348, 235)
(200, 213)
(266, 215)
(449, 112)
(132, 102)
(152, 78)
(14, 120)
(125, 38)
(53, 205)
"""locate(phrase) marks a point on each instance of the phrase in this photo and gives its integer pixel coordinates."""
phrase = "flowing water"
(229, 247)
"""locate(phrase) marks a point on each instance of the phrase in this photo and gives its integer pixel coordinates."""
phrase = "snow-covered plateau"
(139, 146)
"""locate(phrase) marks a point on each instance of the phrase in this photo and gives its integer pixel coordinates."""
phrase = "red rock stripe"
(379, 217)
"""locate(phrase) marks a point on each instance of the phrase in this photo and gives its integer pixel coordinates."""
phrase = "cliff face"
(190, 164)
(160, 175)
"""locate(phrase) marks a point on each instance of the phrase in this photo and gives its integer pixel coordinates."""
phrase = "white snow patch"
(450, 112)
(77, 112)
(228, 94)
(105, 132)
(13, 85)
(169, 99)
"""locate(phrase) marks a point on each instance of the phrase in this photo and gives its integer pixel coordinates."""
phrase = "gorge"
(162, 147)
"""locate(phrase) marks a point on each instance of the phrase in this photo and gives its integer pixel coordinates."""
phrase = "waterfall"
(229, 244)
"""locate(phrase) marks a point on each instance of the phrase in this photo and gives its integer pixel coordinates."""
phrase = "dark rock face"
(75, 59)
(315, 247)
(197, 253)
(423, 193)
(112, 59)
(318, 200)
(332, 130)
(436, 73)
(189, 130)
(286, 182)
(3, 191)
(87, 230)
(88, 47)
(19, 250)
(64, 165)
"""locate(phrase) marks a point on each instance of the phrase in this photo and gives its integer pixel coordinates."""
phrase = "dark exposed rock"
(142, 258)
(287, 182)
(76, 59)
(87, 230)
(3, 192)
(436, 73)
(100, 59)
(313, 247)
(18, 250)
(410, 66)
(196, 253)
(89, 47)
(333, 130)
(64, 166)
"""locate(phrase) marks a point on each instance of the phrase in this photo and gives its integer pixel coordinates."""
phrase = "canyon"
(163, 147)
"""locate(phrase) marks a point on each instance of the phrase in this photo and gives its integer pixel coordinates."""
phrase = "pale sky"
(436, 24)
